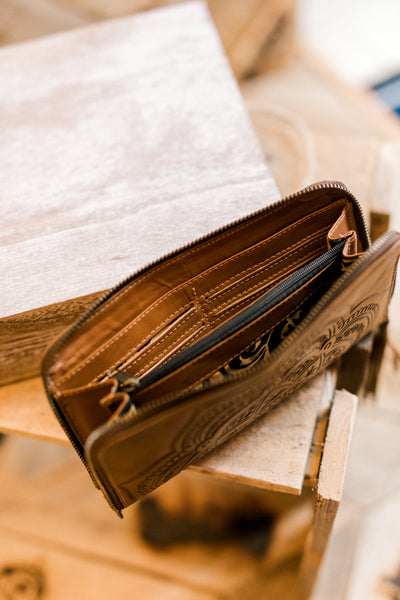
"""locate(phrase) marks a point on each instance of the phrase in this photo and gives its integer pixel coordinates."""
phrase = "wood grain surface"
(119, 142)
(272, 453)
(330, 485)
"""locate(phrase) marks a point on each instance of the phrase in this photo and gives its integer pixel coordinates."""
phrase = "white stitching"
(129, 357)
(79, 367)
(233, 356)
(255, 248)
(274, 276)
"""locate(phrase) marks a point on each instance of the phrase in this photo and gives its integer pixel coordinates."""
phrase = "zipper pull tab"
(126, 383)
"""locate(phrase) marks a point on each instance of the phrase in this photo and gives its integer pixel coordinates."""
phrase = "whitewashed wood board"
(271, 454)
(119, 142)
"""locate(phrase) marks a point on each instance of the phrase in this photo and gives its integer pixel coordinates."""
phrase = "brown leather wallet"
(188, 351)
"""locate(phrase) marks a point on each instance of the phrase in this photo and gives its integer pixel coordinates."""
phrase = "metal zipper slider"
(126, 383)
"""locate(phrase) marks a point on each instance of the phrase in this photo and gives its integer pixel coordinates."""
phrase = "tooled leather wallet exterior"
(136, 417)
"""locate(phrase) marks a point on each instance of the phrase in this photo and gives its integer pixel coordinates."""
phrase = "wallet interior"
(216, 307)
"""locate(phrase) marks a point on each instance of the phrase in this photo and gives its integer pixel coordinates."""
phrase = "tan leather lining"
(236, 303)
(346, 226)
(141, 362)
(107, 358)
(210, 315)
(262, 283)
(204, 366)
(246, 274)
(84, 409)
(120, 342)
(126, 305)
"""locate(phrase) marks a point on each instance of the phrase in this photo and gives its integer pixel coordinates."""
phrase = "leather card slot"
(315, 242)
(244, 275)
(239, 302)
(266, 277)
(216, 278)
(122, 330)
(221, 352)
(187, 339)
(85, 408)
(187, 327)
(176, 336)
(191, 329)
(128, 340)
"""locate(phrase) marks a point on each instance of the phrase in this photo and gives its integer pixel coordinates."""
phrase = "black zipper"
(236, 323)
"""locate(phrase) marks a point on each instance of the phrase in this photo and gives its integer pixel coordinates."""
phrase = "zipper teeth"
(356, 266)
(157, 402)
(104, 297)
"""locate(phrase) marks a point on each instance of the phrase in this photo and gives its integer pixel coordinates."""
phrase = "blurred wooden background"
(257, 34)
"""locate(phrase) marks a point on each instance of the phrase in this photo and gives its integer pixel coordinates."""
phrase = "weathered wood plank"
(24, 410)
(271, 454)
(256, 34)
(321, 426)
(131, 141)
(330, 486)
